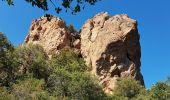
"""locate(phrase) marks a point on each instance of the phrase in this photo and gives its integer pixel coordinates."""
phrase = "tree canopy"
(74, 6)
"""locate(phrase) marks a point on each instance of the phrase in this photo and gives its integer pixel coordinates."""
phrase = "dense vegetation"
(26, 73)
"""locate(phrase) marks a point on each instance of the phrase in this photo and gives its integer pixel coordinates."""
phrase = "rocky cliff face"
(50, 32)
(109, 44)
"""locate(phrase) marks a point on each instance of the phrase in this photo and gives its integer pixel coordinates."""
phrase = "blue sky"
(153, 24)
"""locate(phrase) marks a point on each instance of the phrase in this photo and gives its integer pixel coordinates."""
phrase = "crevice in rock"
(116, 72)
(36, 37)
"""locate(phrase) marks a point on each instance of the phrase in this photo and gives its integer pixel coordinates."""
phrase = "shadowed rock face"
(110, 45)
(50, 32)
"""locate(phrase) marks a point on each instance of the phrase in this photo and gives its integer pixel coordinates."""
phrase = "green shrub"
(68, 60)
(160, 91)
(27, 89)
(128, 87)
(143, 97)
(6, 68)
(84, 87)
(4, 94)
(31, 59)
(57, 83)
(70, 79)
(76, 86)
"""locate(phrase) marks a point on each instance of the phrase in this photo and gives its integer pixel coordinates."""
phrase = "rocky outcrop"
(110, 45)
(50, 32)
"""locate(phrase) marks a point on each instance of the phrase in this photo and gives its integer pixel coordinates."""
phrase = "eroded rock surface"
(110, 45)
(50, 32)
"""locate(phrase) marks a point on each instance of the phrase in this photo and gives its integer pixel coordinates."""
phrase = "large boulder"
(50, 32)
(110, 45)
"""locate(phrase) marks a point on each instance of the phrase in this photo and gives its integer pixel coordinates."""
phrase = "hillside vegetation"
(27, 73)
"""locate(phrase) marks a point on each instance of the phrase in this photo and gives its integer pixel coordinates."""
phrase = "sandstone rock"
(49, 32)
(110, 45)
(77, 44)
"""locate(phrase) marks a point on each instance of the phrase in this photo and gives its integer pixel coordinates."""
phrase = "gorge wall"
(108, 44)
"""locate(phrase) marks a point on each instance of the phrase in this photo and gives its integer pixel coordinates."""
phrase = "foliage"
(74, 34)
(74, 86)
(4, 94)
(143, 97)
(4, 43)
(32, 59)
(115, 97)
(160, 91)
(26, 73)
(83, 86)
(71, 28)
(128, 87)
(29, 89)
(68, 60)
(70, 80)
(58, 82)
(74, 5)
(6, 67)
(10, 2)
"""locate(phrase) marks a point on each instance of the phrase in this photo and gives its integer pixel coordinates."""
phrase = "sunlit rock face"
(50, 32)
(110, 45)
